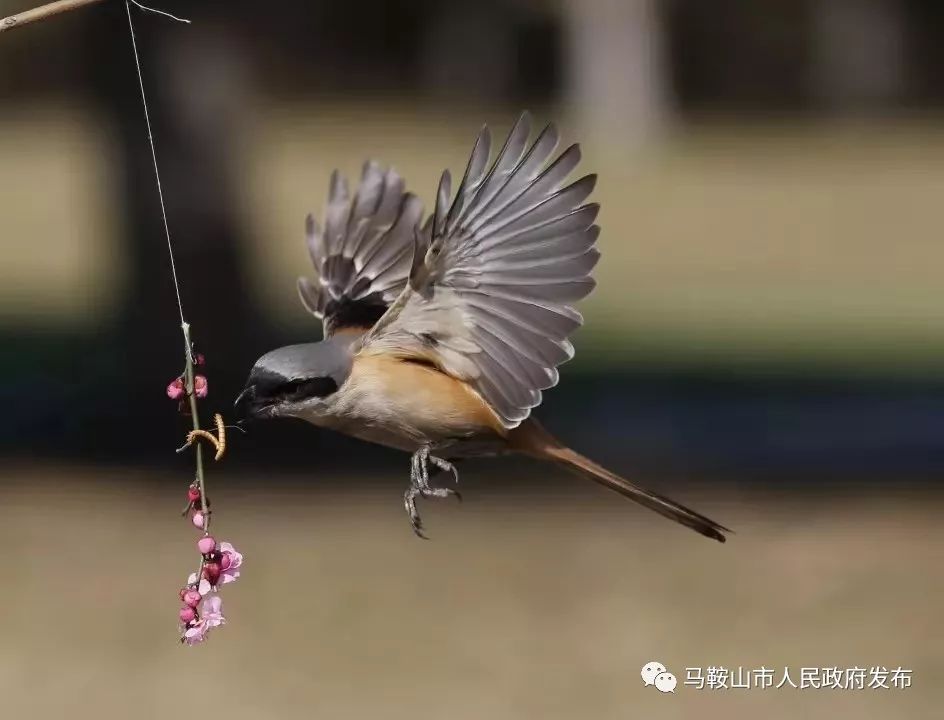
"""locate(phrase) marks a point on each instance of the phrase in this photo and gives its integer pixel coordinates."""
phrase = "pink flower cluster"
(202, 608)
(194, 507)
(177, 389)
(197, 625)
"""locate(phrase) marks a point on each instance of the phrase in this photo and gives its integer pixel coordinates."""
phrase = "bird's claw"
(409, 502)
(420, 487)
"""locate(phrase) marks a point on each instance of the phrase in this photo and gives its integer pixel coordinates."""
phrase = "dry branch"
(43, 12)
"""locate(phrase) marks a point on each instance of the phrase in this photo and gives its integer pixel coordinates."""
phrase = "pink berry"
(193, 494)
(187, 614)
(212, 571)
(200, 386)
(175, 390)
(226, 561)
(192, 597)
(206, 545)
(198, 519)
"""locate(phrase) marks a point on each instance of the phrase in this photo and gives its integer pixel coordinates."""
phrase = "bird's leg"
(420, 487)
(409, 497)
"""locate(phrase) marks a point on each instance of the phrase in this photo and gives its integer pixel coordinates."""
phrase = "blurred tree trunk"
(456, 63)
(859, 58)
(616, 85)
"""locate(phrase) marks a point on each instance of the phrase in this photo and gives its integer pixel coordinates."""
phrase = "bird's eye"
(308, 387)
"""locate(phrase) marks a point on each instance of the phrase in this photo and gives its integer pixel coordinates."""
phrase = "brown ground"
(516, 608)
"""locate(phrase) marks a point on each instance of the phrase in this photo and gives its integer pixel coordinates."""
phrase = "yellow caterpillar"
(218, 440)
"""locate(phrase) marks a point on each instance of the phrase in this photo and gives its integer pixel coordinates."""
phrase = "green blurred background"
(764, 344)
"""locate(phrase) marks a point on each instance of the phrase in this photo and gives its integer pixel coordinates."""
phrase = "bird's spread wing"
(362, 256)
(494, 275)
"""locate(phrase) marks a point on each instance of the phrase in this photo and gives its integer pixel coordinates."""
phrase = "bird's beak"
(242, 404)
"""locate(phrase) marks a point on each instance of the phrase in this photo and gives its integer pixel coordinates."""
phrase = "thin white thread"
(159, 12)
(157, 173)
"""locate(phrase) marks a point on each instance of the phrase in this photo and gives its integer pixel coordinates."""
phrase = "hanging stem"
(43, 12)
(194, 414)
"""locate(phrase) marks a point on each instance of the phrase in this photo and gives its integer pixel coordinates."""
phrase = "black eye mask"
(309, 387)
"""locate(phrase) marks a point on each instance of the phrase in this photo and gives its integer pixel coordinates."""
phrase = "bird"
(441, 334)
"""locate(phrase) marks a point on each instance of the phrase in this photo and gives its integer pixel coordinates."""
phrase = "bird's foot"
(420, 487)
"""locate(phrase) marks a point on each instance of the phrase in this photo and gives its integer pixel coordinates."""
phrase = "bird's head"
(295, 381)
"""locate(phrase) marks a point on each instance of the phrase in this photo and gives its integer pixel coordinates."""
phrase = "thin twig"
(43, 12)
(159, 12)
(195, 415)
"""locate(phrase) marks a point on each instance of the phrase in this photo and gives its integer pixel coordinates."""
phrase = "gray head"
(296, 380)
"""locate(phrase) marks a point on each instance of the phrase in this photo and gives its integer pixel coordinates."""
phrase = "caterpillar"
(218, 440)
(220, 436)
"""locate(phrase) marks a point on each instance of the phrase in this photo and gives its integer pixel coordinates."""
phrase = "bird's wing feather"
(495, 274)
(362, 256)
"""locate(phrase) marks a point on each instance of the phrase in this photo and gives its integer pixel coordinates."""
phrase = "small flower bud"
(193, 494)
(192, 597)
(175, 390)
(198, 520)
(187, 614)
(212, 571)
(198, 359)
(206, 545)
(200, 386)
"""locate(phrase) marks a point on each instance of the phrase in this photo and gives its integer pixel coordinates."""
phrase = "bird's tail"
(532, 439)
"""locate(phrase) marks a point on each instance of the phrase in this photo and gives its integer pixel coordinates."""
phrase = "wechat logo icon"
(654, 673)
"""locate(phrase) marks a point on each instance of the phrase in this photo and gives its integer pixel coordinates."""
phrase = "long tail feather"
(531, 439)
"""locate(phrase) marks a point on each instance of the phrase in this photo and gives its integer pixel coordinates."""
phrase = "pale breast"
(407, 405)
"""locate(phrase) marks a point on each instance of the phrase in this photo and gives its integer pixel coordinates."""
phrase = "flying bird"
(440, 335)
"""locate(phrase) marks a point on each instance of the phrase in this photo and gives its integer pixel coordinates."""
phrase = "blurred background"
(765, 344)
